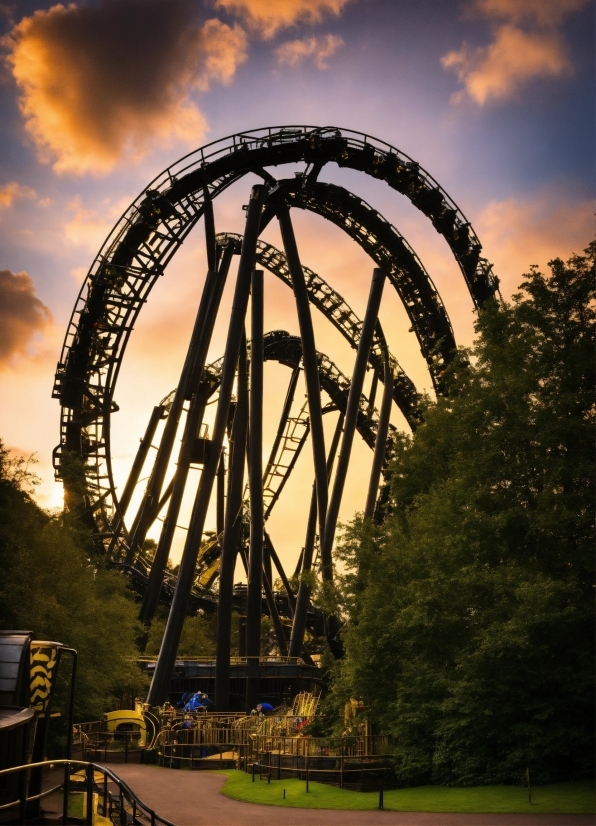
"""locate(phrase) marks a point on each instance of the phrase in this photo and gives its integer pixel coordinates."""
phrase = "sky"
(493, 97)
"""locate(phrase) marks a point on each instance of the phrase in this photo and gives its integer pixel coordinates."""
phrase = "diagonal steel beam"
(171, 638)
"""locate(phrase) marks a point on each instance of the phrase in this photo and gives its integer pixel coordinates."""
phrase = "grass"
(559, 798)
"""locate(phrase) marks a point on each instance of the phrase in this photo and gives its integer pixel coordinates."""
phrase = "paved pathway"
(193, 799)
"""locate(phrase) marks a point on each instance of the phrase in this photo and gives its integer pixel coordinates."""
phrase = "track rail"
(149, 233)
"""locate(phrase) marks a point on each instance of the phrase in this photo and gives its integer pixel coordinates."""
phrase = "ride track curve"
(145, 239)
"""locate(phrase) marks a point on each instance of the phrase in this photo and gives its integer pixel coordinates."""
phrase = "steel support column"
(255, 484)
(381, 440)
(275, 618)
(311, 368)
(283, 419)
(366, 337)
(192, 424)
(231, 537)
(171, 639)
(133, 477)
(280, 570)
(221, 495)
(304, 590)
(147, 511)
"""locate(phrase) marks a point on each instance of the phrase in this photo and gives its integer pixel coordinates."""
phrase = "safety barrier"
(121, 806)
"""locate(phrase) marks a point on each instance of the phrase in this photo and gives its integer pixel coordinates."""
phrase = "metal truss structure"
(133, 257)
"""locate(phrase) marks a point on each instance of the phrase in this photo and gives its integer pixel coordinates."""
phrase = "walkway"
(192, 798)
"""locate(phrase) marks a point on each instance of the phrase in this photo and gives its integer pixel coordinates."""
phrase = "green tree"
(197, 640)
(470, 610)
(53, 584)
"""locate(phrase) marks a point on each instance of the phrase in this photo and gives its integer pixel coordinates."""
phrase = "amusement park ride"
(134, 256)
(234, 481)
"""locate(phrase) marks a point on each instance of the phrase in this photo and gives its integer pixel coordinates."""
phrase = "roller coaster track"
(284, 349)
(134, 256)
(152, 229)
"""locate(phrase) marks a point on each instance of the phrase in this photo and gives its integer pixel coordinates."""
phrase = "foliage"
(470, 610)
(53, 585)
(197, 640)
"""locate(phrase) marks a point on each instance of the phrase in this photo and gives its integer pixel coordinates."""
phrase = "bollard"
(253, 772)
(284, 794)
(381, 800)
(307, 775)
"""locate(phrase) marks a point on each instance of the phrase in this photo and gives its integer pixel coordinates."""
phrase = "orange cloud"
(104, 82)
(516, 55)
(497, 71)
(90, 227)
(22, 315)
(10, 192)
(517, 233)
(269, 16)
(319, 49)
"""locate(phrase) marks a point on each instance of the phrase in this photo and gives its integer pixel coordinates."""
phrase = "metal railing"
(123, 808)
(122, 746)
(372, 745)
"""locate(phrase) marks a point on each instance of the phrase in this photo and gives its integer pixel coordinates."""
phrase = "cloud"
(518, 232)
(497, 71)
(317, 48)
(516, 54)
(542, 12)
(90, 227)
(100, 83)
(10, 192)
(23, 316)
(269, 16)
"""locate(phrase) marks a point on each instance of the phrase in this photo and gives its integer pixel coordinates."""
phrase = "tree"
(54, 584)
(470, 610)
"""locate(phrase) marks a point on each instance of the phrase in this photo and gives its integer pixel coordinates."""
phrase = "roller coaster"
(233, 476)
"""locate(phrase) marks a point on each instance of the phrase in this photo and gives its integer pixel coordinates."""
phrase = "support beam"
(311, 367)
(173, 631)
(362, 355)
(373, 392)
(199, 342)
(157, 415)
(231, 537)
(304, 590)
(221, 495)
(209, 224)
(381, 440)
(283, 420)
(194, 417)
(280, 635)
(280, 570)
(255, 484)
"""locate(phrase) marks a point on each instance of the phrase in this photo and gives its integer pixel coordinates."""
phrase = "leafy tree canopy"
(469, 612)
(54, 585)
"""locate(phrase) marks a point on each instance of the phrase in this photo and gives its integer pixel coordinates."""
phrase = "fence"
(119, 803)
(348, 762)
(112, 746)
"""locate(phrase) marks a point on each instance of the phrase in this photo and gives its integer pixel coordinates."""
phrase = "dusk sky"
(493, 97)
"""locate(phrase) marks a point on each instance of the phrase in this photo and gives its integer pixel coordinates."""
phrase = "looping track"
(139, 248)
(137, 253)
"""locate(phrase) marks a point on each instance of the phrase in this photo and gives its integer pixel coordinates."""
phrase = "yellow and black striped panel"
(44, 659)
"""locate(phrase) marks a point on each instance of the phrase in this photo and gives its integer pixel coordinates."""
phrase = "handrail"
(90, 770)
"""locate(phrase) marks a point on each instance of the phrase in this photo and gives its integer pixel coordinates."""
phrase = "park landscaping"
(557, 798)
